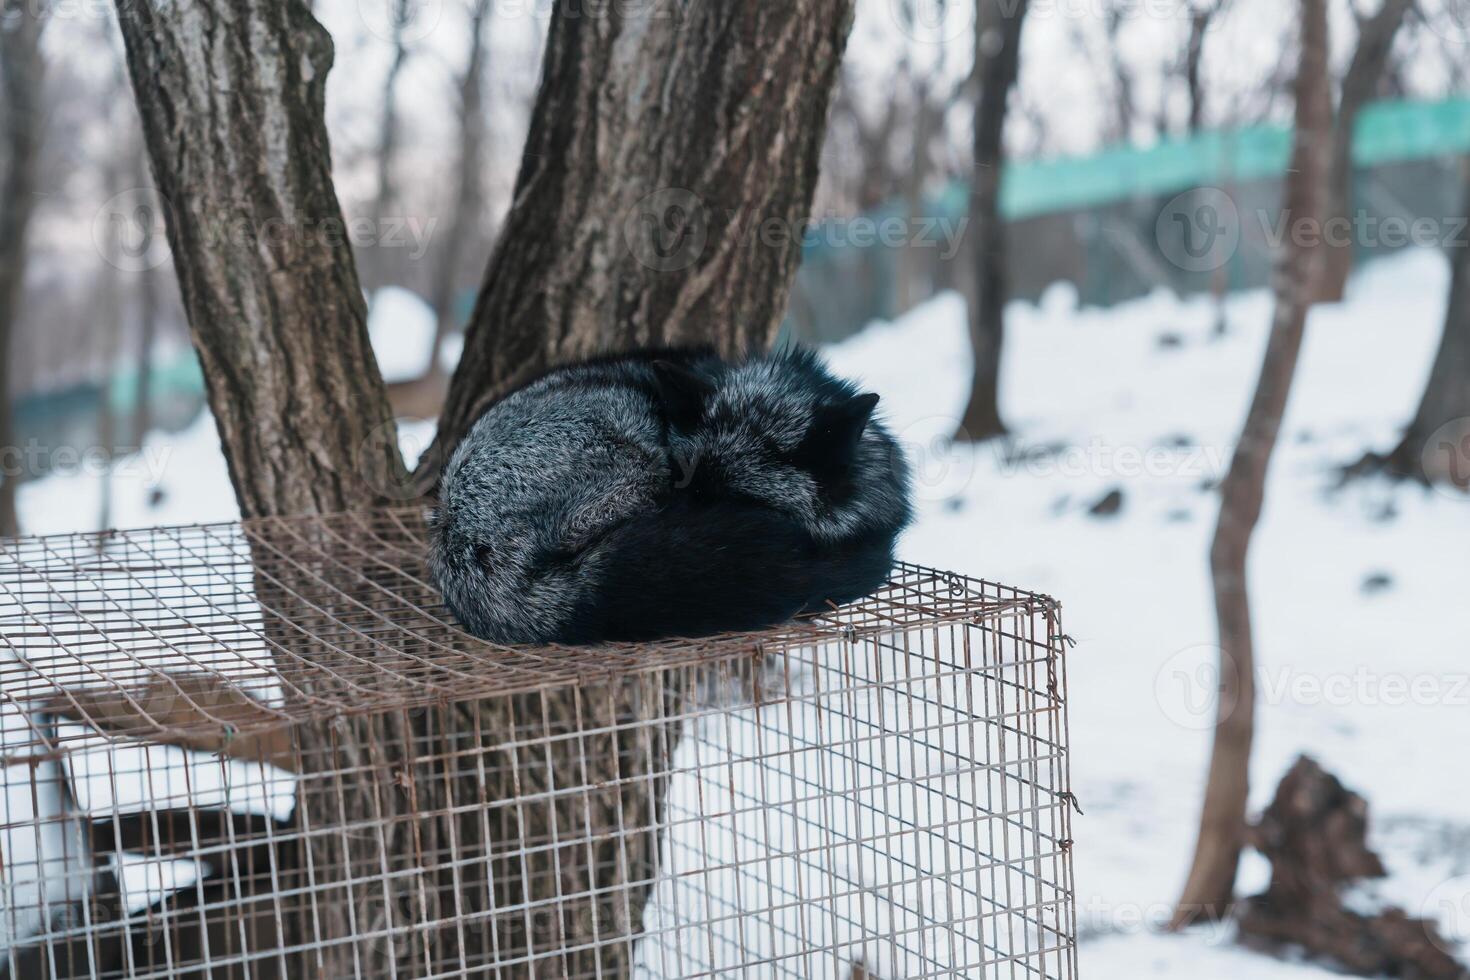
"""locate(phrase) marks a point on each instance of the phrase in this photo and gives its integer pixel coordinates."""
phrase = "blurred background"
(1142, 155)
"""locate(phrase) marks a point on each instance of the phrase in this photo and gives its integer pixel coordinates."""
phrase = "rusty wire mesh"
(265, 750)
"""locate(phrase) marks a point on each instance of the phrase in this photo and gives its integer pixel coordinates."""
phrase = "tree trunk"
(230, 96)
(148, 313)
(21, 71)
(388, 124)
(997, 52)
(1115, 15)
(912, 264)
(374, 260)
(1359, 85)
(1194, 56)
(1436, 446)
(666, 182)
(468, 199)
(1210, 888)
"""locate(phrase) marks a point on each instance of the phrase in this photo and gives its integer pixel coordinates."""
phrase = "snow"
(1371, 681)
(1374, 685)
(186, 470)
(401, 326)
(110, 776)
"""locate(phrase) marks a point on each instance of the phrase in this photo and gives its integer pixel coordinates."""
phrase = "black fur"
(667, 493)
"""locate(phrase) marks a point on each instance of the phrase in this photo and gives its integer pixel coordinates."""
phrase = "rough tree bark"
(1359, 85)
(21, 71)
(230, 93)
(1435, 447)
(258, 239)
(997, 53)
(1210, 889)
(667, 177)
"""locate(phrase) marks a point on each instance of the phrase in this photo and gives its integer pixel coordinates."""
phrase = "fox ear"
(682, 392)
(837, 428)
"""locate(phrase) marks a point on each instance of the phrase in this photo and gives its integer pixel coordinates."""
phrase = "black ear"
(682, 392)
(837, 428)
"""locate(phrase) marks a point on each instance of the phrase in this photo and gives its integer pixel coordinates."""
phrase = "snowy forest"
(1168, 303)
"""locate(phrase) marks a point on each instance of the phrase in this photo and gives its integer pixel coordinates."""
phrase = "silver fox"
(667, 493)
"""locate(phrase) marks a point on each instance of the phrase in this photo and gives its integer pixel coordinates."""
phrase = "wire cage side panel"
(881, 792)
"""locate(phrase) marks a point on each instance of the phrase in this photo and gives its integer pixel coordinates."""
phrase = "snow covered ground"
(1356, 592)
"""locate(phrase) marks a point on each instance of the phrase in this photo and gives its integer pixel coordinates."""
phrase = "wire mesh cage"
(265, 750)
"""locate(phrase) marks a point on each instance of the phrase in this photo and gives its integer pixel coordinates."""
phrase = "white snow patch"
(401, 326)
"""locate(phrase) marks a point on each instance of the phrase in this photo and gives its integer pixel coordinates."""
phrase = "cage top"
(206, 634)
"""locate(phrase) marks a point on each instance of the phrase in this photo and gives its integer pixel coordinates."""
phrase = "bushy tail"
(695, 569)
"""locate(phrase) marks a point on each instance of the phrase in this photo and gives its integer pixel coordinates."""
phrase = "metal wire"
(264, 749)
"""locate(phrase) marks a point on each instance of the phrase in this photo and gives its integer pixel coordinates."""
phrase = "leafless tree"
(1360, 85)
(1435, 447)
(1201, 16)
(401, 13)
(149, 309)
(1115, 15)
(469, 197)
(661, 136)
(868, 142)
(21, 71)
(234, 133)
(997, 61)
(1210, 888)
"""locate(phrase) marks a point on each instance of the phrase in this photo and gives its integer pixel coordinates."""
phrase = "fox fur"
(667, 493)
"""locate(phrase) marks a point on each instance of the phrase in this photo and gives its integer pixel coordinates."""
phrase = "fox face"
(666, 493)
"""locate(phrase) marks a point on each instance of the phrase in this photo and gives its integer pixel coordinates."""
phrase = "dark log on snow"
(1315, 833)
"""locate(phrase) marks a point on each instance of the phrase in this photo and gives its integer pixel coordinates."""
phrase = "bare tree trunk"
(1123, 107)
(373, 258)
(388, 124)
(666, 182)
(997, 52)
(21, 73)
(1364, 74)
(469, 196)
(1210, 888)
(1200, 19)
(271, 292)
(1436, 445)
(911, 263)
(110, 322)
